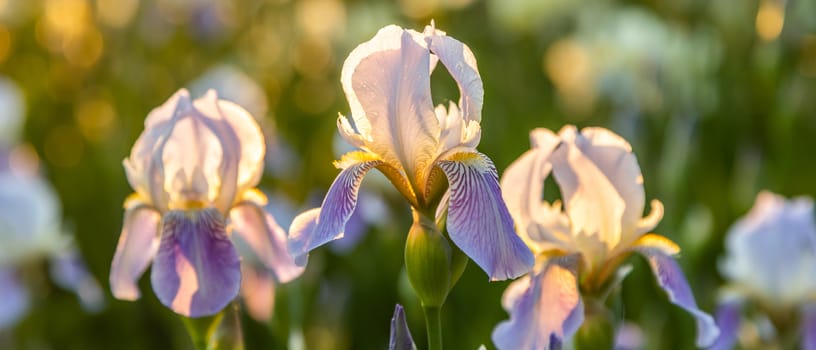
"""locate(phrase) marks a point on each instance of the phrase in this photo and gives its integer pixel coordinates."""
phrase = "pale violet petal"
(522, 183)
(254, 227)
(258, 292)
(197, 271)
(14, 299)
(461, 64)
(315, 228)
(478, 220)
(547, 313)
(387, 83)
(137, 246)
(671, 279)
(728, 319)
(600, 183)
(809, 327)
(400, 338)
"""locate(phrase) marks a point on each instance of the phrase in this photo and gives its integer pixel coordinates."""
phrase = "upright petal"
(545, 313)
(728, 321)
(315, 228)
(601, 184)
(400, 334)
(522, 183)
(478, 220)
(387, 83)
(14, 299)
(137, 246)
(257, 229)
(197, 271)
(461, 64)
(671, 279)
(809, 327)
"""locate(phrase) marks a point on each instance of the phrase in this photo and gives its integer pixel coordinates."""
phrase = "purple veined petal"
(461, 64)
(522, 183)
(671, 279)
(547, 312)
(728, 321)
(313, 228)
(258, 291)
(14, 299)
(478, 220)
(137, 246)
(400, 334)
(68, 270)
(258, 230)
(197, 271)
(809, 327)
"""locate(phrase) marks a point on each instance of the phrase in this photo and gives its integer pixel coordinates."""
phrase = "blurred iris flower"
(30, 222)
(422, 150)
(194, 169)
(771, 261)
(579, 249)
(30, 230)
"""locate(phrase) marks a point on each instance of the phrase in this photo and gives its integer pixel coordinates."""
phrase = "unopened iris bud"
(428, 259)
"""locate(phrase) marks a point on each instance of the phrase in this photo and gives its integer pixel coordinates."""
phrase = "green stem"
(433, 323)
(201, 330)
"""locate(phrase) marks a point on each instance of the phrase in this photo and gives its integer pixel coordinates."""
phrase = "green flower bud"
(428, 258)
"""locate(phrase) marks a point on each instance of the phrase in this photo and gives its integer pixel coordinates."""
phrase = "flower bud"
(428, 262)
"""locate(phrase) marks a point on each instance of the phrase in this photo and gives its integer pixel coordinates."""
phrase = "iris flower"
(771, 263)
(194, 169)
(422, 150)
(579, 249)
(30, 231)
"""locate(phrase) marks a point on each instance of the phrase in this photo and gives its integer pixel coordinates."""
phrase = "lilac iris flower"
(771, 262)
(422, 150)
(30, 231)
(600, 225)
(194, 169)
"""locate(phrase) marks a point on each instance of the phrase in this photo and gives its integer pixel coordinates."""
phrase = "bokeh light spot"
(770, 19)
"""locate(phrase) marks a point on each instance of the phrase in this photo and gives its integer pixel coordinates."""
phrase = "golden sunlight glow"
(419, 9)
(95, 118)
(116, 13)
(570, 68)
(770, 19)
(321, 18)
(5, 43)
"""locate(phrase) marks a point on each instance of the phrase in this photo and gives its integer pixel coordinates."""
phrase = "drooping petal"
(600, 183)
(68, 270)
(387, 83)
(14, 299)
(809, 327)
(728, 321)
(547, 312)
(671, 279)
(400, 334)
(197, 270)
(137, 246)
(315, 228)
(257, 229)
(478, 220)
(522, 183)
(461, 64)
(258, 292)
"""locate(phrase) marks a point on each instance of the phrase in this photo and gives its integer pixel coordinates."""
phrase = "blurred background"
(716, 97)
